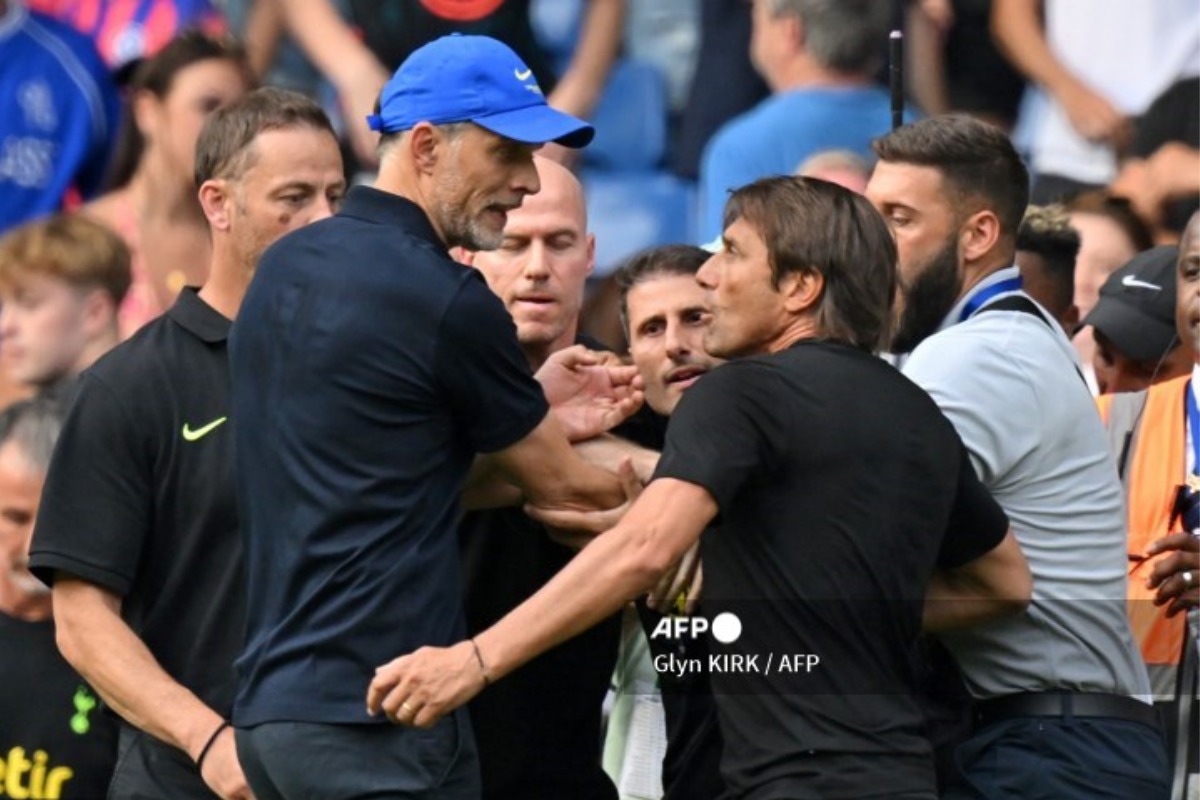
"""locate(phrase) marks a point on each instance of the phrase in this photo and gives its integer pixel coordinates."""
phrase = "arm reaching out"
(420, 688)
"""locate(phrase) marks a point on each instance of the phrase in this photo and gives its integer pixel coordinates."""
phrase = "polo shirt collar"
(374, 205)
(199, 318)
(998, 276)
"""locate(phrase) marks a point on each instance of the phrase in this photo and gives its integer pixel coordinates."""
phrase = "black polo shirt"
(140, 498)
(840, 487)
(369, 369)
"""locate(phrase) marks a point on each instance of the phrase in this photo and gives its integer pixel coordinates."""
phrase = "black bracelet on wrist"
(208, 745)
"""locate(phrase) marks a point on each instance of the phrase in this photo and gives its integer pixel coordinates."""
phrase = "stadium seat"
(629, 211)
(630, 119)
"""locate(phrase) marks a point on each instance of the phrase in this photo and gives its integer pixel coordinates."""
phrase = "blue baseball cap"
(475, 79)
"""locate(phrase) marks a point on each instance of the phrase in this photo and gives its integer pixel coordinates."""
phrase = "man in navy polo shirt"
(369, 370)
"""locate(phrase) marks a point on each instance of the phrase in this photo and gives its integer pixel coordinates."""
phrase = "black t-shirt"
(840, 487)
(506, 558)
(55, 739)
(392, 29)
(140, 500)
(369, 369)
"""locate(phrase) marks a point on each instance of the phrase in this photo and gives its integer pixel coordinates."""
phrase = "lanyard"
(1193, 416)
(974, 304)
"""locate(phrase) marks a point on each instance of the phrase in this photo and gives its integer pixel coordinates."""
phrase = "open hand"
(589, 392)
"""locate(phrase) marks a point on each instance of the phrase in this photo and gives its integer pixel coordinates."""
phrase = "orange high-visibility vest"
(1154, 467)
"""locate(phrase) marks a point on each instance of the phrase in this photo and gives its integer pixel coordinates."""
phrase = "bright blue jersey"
(58, 116)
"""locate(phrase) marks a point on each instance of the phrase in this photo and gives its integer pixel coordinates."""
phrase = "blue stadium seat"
(629, 211)
(630, 119)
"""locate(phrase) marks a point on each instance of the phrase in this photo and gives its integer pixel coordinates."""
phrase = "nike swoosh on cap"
(1133, 282)
(522, 76)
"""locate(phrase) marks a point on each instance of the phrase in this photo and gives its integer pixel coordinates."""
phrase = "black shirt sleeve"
(96, 506)
(479, 362)
(977, 523)
(722, 432)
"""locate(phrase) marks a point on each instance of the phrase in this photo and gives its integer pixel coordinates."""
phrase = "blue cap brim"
(538, 124)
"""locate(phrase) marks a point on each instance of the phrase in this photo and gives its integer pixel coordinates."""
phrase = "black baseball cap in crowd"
(1136, 310)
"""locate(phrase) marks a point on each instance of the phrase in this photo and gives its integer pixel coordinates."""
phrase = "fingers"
(1176, 541)
(1177, 562)
(576, 356)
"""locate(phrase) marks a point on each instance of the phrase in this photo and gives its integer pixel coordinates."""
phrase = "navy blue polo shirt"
(368, 370)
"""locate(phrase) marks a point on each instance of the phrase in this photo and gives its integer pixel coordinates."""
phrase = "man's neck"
(393, 179)
(797, 331)
(228, 279)
(804, 73)
(97, 347)
(975, 274)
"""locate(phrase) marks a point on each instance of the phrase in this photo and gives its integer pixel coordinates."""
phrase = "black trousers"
(298, 760)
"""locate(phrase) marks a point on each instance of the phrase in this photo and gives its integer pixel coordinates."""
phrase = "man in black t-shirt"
(55, 741)
(138, 531)
(845, 517)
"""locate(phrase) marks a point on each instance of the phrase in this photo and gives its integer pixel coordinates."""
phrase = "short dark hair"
(1047, 233)
(223, 149)
(811, 225)
(655, 262)
(156, 75)
(977, 161)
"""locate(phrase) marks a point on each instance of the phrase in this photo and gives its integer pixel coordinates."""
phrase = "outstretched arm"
(420, 688)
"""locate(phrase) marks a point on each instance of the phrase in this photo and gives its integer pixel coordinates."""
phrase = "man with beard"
(539, 272)
(369, 370)
(840, 532)
(1062, 690)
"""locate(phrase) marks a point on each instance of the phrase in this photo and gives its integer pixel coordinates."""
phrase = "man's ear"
(216, 199)
(424, 144)
(802, 290)
(979, 234)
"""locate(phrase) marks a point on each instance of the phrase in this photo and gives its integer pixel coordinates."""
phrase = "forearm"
(263, 29)
(607, 452)
(1019, 34)
(98, 643)
(997, 584)
(593, 586)
(328, 41)
(581, 85)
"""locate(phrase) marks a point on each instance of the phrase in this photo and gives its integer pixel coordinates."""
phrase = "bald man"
(539, 272)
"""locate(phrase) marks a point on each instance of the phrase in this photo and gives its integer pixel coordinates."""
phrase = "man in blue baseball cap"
(369, 370)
